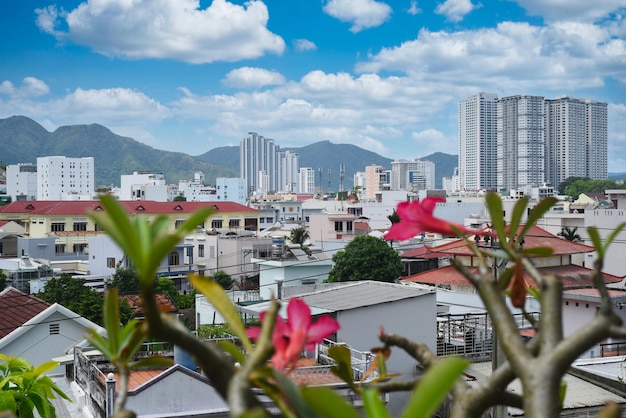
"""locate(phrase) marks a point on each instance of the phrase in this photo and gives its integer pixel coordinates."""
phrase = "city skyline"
(191, 76)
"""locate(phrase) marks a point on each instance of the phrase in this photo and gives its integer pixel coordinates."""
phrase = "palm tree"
(299, 235)
(569, 233)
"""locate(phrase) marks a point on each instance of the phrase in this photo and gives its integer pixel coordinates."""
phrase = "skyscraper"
(288, 163)
(257, 154)
(576, 139)
(307, 180)
(521, 142)
(411, 175)
(477, 142)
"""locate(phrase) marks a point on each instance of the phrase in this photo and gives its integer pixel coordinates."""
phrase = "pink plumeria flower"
(297, 333)
(417, 217)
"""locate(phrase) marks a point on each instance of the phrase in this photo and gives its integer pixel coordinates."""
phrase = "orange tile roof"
(17, 308)
(136, 378)
(164, 302)
(572, 277)
(425, 252)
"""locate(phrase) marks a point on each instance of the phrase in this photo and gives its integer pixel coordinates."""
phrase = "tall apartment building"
(288, 165)
(256, 154)
(266, 168)
(521, 142)
(412, 175)
(478, 142)
(576, 139)
(63, 178)
(22, 181)
(306, 182)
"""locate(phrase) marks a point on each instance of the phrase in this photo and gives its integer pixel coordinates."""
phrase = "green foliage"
(3, 280)
(25, 388)
(125, 280)
(223, 279)
(179, 198)
(366, 258)
(185, 301)
(394, 217)
(299, 235)
(569, 233)
(574, 186)
(208, 331)
(72, 293)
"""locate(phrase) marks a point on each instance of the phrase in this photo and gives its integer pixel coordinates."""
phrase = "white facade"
(412, 175)
(199, 193)
(258, 154)
(143, 186)
(521, 142)
(63, 178)
(289, 164)
(22, 182)
(452, 184)
(576, 139)
(478, 142)
(231, 189)
(306, 184)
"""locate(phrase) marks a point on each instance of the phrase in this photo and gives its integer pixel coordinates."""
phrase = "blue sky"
(189, 76)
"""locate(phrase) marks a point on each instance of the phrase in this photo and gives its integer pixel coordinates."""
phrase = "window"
(201, 250)
(57, 226)
(349, 226)
(59, 249)
(80, 226)
(216, 223)
(111, 262)
(54, 329)
(178, 223)
(233, 223)
(338, 226)
(174, 259)
(80, 248)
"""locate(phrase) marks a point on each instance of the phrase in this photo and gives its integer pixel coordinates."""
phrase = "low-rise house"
(38, 331)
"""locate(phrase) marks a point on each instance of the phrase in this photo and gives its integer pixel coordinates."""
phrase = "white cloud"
(363, 14)
(31, 87)
(553, 10)
(165, 29)
(304, 45)
(513, 56)
(248, 77)
(455, 10)
(413, 9)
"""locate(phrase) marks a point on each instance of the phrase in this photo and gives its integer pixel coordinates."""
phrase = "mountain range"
(22, 140)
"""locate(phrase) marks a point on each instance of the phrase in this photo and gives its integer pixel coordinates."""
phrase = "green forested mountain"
(22, 140)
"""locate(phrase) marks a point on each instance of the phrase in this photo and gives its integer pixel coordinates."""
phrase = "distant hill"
(617, 176)
(22, 140)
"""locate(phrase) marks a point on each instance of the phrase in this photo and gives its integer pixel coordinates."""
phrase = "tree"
(26, 388)
(179, 198)
(569, 233)
(366, 258)
(3, 280)
(125, 280)
(394, 217)
(562, 187)
(72, 293)
(223, 279)
(299, 235)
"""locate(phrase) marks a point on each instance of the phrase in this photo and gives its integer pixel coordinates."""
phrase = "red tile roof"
(535, 238)
(572, 277)
(164, 302)
(425, 252)
(17, 308)
(81, 207)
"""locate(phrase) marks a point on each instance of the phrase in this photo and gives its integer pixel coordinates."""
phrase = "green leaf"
(504, 278)
(538, 211)
(343, 367)
(233, 350)
(494, 205)
(99, 343)
(433, 387)
(154, 362)
(595, 239)
(7, 401)
(45, 367)
(220, 301)
(374, 406)
(291, 392)
(562, 391)
(516, 216)
(327, 403)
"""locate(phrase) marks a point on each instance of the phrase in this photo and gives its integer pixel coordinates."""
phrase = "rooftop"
(18, 308)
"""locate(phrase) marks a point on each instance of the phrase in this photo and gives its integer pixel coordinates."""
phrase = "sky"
(387, 76)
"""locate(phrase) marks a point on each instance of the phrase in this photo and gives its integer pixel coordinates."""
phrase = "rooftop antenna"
(342, 174)
(329, 174)
(319, 171)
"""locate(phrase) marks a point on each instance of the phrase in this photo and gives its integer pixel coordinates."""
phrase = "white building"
(412, 175)
(257, 154)
(452, 184)
(22, 181)
(288, 164)
(478, 142)
(576, 140)
(63, 178)
(231, 189)
(306, 184)
(143, 186)
(521, 142)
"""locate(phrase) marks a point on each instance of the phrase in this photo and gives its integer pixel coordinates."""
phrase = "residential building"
(576, 139)
(21, 270)
(38, 331)
(412, 175)
(259, 154)
(289, 165)
(231, 189)
(306, 183)
(360, 183)
(520, 142)
(64, 178)
(478, 142)
(21, 180)
(143, 185)
(376, 179)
